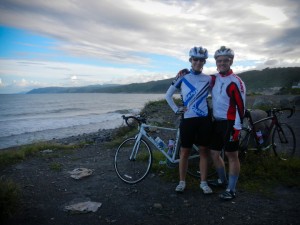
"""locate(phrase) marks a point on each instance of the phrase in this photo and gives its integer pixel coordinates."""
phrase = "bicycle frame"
(133, 157)
(252, 128)
(144, 133)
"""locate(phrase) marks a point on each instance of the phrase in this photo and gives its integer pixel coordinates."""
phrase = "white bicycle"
(133, 158)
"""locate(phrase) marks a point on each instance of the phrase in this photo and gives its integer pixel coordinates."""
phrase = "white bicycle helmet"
(224, 51)
(199, 52)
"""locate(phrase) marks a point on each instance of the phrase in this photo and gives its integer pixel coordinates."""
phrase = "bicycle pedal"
(162, 162)
(171, 165)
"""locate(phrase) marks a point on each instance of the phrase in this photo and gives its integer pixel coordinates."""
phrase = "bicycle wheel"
(193, 165)
(133, 170)
(243, 143)
(283, 141)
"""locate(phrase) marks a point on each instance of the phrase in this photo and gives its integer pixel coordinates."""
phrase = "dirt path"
(153, 201)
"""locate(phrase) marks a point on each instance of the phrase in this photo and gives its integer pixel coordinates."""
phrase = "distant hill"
(271, 79)
(85, 89)
(264, 81)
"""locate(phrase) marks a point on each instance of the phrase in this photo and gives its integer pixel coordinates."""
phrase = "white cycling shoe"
(180, 187)
(206, 189)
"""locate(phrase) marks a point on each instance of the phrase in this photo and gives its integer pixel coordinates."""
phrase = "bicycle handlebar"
(275, 110)
(139, 119)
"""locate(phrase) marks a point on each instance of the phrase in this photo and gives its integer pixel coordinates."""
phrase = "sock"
(222, 174)
(182, 182)
(232, 182)
(203, 183)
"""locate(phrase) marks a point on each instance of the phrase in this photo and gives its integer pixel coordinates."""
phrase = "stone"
(83, 207)
(79, 173)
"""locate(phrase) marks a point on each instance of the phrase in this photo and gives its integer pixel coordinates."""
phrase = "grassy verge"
(9, 198)
(16, 155)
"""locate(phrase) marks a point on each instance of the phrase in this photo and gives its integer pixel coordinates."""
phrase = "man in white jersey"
(228, 101)
(196, 122)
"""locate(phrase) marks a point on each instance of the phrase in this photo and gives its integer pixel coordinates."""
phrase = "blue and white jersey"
(194, 88)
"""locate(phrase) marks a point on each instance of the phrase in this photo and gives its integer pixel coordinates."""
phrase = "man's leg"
(234, 169)
(219, 165)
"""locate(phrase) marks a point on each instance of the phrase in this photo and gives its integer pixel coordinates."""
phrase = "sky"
(69, 43)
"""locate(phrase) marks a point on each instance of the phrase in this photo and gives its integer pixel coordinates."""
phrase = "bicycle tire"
(193, 165)
(283, 141)
(133, 171)
(243, 143)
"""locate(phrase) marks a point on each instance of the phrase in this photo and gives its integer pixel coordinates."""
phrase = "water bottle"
(259, 137)
(170, 147)
(160, 143)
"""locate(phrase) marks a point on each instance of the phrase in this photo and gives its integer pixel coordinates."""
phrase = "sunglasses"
(222, 60)
(198, 59)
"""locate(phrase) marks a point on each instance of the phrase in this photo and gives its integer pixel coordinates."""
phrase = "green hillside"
(274, 80)
(257, 81)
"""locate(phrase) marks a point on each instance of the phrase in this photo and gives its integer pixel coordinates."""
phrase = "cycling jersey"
(228, 98)
(194, 89)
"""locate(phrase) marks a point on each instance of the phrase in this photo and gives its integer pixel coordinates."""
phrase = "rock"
(157, 206)
(285, 103)
(79, 173)
(262, 103)
(47, 151)
(83, 207)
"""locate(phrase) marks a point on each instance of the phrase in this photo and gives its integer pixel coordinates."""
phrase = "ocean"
(25, 119)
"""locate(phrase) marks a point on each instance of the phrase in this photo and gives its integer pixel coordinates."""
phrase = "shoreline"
(99, 136)
(106, 134)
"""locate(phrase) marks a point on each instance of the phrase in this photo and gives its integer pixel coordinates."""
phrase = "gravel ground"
(45, 193)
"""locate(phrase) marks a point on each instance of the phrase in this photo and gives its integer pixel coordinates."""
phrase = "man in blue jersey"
(196, 123)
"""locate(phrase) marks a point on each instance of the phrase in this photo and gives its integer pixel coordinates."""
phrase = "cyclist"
(196, 123)
(228, 101)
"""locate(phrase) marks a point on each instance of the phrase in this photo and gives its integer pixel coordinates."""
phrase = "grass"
(258, 173)
(13, 156)
(9, 191)
(9, 198)
(263, 173)
(55, 166)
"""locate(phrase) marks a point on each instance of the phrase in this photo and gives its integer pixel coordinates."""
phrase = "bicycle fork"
(136, 147)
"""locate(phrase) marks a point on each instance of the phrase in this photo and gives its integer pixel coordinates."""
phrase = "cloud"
(120, 30)
(128, 33)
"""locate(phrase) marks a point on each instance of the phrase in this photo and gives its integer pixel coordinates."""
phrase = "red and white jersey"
(228, 97)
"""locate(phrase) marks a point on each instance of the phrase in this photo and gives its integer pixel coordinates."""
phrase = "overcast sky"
(78, 43)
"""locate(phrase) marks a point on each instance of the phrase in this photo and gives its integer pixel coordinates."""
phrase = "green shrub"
(55, 166)
(9, 198)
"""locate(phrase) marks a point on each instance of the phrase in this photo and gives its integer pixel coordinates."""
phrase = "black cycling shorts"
(196, 131)
(222, 132)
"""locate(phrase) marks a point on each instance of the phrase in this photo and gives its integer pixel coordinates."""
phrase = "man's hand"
(236, 135)
(181, 73)
(181, 110)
